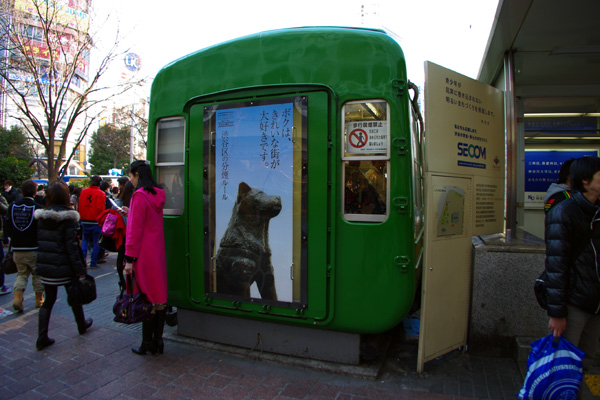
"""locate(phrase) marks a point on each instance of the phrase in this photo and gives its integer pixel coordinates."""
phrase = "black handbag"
(82, 290)
(8, 264)
(131, 308)
(107, 243)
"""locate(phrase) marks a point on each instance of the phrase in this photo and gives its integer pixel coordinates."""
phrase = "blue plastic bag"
(554, 370)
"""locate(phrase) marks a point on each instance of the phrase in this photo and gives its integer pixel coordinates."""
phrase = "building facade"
(44, 76)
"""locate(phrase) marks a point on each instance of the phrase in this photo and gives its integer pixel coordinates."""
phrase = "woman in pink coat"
(145, 252)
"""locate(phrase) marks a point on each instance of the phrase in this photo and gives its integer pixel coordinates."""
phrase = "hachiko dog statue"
(244, 255)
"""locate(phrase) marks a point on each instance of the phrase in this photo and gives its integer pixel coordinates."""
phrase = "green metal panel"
(360, 275)
(357, 63)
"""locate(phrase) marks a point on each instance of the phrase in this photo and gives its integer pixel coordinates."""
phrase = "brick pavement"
(100, 365)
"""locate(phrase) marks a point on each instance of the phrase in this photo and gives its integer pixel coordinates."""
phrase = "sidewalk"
(100, 365)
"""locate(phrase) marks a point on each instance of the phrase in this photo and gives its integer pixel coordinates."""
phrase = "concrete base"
(503, 302)
(314, 344)
(523, 347)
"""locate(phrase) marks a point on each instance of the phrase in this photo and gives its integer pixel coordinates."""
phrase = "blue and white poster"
(541, 170)
(254, 195)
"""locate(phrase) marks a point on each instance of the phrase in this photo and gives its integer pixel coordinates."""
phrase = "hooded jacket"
(556, 193)
(572, 241)
(146, 242)
(119, 235)
(21, 226)
(59, 256)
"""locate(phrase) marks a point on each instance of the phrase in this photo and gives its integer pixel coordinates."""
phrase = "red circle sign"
(358, 138)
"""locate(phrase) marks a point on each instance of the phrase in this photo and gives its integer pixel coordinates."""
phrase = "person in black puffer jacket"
(59, 257)
(572, 241)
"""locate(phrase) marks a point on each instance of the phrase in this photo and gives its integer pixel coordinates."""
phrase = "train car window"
(365, 160)
(170, 141)
(170, 153)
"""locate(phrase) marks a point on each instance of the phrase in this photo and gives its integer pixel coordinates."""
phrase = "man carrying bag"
(572, 241)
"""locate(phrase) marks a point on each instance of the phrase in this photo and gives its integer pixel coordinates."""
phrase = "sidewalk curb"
(369, 371)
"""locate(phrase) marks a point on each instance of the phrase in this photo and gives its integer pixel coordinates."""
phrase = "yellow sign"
(464, 126)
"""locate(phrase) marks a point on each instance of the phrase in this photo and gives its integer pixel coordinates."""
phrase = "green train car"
(292, 165)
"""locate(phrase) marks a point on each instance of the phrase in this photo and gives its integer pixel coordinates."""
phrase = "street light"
(133, 63)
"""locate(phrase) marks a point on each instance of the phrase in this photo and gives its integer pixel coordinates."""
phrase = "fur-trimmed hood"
(57, 214)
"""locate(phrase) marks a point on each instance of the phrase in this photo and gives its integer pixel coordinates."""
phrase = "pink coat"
(146, 241)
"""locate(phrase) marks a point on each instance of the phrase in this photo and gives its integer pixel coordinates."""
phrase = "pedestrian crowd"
(49, 230)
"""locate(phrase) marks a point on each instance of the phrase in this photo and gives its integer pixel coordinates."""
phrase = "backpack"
(109, 225)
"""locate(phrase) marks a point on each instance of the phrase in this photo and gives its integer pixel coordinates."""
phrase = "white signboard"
(367, 137)
(464, 122)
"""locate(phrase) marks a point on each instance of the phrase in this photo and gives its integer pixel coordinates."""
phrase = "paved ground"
(100, 365)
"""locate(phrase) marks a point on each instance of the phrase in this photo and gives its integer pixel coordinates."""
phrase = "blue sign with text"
(542, 166)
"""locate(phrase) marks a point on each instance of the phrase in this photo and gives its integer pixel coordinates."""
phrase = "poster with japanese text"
(464, 125)
(254, 195)
(541, 170)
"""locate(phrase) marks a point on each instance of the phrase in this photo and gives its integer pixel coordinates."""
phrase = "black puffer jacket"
(20, 224)
(572, 241)
(59, 254)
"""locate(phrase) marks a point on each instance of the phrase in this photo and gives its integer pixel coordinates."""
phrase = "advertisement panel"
(541, 170)
(62, 54)
(257, 201)
(64, 12)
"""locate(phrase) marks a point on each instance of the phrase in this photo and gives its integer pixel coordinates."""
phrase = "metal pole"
(511, 143)
(131, 133)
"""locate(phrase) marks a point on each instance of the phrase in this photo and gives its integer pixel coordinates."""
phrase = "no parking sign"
(367, 137)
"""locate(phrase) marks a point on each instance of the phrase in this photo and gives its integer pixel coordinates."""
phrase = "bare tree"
(46, 47)
(123, 117)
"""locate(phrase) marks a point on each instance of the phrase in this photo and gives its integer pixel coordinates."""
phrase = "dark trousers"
(50, 295)
(121, 264)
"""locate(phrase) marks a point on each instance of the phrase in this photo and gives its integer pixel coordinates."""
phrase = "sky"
(452, 34)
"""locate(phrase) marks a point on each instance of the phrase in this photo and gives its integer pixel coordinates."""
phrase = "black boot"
(82, 324)
(43, 340)
(158, 329)
(147, 342)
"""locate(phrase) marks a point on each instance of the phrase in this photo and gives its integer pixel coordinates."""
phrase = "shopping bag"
(554, 370)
